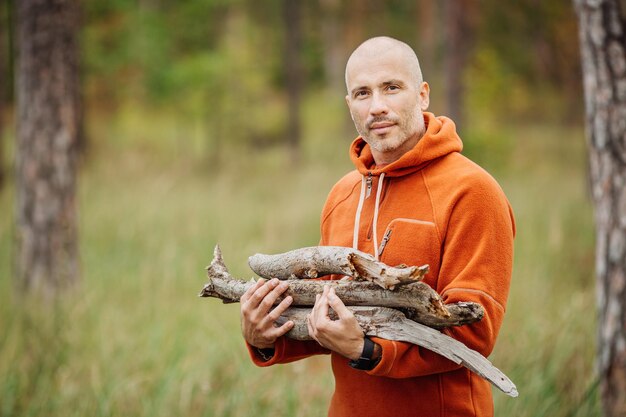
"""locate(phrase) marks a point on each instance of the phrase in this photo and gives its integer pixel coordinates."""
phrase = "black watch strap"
(365, 361)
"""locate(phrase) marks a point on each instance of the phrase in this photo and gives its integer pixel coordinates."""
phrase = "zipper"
(383, 243)
(368, 182)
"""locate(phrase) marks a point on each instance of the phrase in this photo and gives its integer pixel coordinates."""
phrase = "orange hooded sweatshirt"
(432, 206)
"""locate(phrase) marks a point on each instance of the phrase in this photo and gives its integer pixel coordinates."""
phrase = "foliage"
(219, 64)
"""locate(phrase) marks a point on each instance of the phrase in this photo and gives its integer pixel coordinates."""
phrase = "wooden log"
(317, 261)
(418, 300)
(391, 324)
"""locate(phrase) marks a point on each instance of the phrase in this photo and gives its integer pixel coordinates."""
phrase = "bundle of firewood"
(388, 302)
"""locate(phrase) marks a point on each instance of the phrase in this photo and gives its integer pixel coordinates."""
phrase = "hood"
(439, 139)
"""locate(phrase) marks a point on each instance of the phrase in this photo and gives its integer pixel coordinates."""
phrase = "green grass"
(134, 340)
(547, 342)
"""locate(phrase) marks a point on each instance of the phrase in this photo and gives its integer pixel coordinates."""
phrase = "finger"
(310, 327)
(323, 304)
(261, 292)
(277, 332)
(338, 305)
(270, 299)
(326, 290)
(317, 300)
(246, 295)
(279, 309)
(316, 305)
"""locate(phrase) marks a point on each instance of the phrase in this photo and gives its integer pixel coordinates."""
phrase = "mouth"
(381, 127)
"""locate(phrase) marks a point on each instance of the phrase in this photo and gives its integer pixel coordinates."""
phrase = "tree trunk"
(601, 30)
(457, 35)
(4, 80)
(426, 15)
(293, 67)
(355, 24)
(47, 132)
(330, 26)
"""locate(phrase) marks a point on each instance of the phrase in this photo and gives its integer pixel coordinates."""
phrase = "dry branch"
(391, 324)
(317, 261)
(377, 321)
(419, 301)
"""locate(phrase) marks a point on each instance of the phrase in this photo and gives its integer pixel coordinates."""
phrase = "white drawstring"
(357, 218)
(379, 189)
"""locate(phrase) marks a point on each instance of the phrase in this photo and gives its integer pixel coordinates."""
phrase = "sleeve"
(476, 265)
(288, 350)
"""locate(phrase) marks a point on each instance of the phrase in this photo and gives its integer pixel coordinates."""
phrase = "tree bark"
(317, 261)
(419, 301)
(47, 131)
(374, 320)
(602, 40)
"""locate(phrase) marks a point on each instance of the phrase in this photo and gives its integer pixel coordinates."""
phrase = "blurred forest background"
(224, 121)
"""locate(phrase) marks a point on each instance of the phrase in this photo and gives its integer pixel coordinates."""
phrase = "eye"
(360, 94)
(393, 87)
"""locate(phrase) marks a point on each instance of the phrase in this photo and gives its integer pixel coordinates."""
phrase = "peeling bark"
(317, 261)
(418, 301)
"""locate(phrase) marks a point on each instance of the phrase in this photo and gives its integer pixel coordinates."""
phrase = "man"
(412, 199)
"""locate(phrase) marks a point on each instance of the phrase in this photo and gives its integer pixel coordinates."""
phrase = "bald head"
(387, 97)
(379, 48)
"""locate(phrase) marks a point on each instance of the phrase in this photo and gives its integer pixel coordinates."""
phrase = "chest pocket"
(414, 243)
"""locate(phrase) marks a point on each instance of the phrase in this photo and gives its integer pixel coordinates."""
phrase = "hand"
(257, 321)
(344, 335)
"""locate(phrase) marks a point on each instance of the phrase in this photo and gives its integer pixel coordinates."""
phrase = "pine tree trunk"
(426, 33)
(456, 49)
(47, 132)
(601, 29)
(4, 87)
(330, 26)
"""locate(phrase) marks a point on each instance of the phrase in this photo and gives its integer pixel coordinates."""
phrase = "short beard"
(411, 125)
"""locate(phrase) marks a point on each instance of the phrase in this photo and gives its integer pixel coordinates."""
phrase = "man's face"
(386, 103)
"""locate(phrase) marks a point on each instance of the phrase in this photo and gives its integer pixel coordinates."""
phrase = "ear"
(348, 100)
(424, 93)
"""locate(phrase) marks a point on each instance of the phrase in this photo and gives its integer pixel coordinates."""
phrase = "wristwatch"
(365, 361)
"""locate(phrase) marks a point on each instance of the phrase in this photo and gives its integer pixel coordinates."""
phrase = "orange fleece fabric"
(437, 208)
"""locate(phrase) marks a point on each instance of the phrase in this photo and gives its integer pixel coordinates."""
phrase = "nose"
(378, 105)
